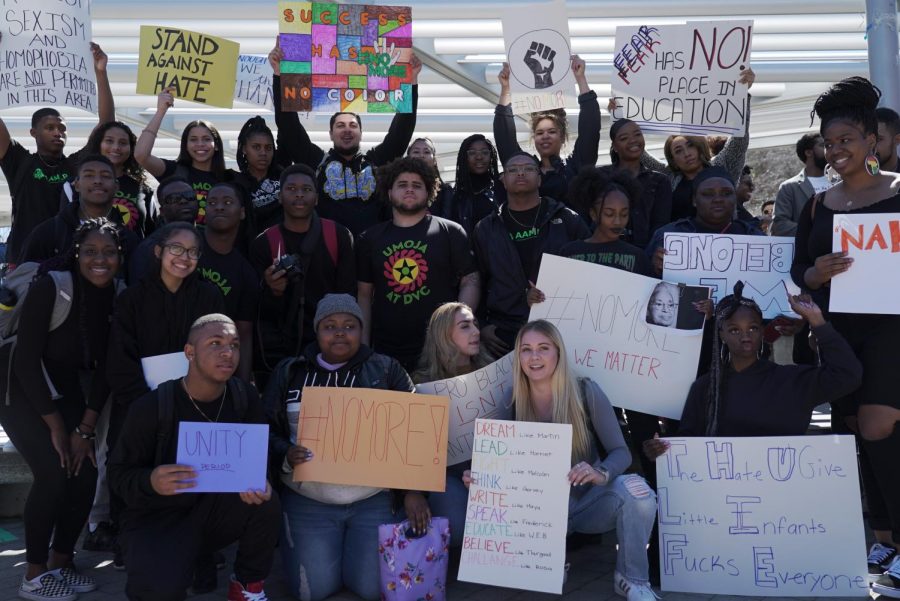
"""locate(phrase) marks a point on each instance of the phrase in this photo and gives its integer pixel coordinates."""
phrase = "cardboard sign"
(345, 57)
(518, 509)
(254, 81)
(45, 54)
(719, 261)
(373, 438)
(536, 37)
(162, 368)
(769, 516)
(484, 393)
(870, 285)
(683, 79)
(227, 457)
(199, 67)
(602, 315)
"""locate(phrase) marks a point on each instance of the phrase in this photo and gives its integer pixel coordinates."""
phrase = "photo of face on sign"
(540, 59)
(673, 306)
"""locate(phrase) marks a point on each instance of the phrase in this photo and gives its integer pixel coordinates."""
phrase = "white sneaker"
(75, 581)
(888, 584)
(46, 587)
(632, 590)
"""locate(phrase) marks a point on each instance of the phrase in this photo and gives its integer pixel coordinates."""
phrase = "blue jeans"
(451, 503)
(626, 505)
(326, 547)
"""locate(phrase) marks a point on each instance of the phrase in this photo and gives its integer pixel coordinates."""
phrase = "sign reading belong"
(683, 79)
(198, 67)
(745, 516)
(45, 54)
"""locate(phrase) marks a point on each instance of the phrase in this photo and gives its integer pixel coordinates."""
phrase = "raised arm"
(403, 125)
(5, 139)
(734, 153)
(504, 123)
(144, 148)
(585, 152)
(106, 104)
(293, 143)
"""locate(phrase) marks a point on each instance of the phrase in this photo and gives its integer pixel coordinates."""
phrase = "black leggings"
(57, 506)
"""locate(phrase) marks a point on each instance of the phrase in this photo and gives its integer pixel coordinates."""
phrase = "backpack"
(329, 233)
(236, 389)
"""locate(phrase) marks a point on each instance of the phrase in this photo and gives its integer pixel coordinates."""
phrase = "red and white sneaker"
(253, 591)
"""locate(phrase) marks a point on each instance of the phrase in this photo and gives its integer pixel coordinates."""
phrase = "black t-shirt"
(236, 280)
(413, 270)
(525, 234)
(683, 200)
(618, 254)
(133, 201)
(201, 181)
(264, 201)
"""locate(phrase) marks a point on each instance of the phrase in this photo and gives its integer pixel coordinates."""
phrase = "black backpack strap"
(165, 418)
(237, 389)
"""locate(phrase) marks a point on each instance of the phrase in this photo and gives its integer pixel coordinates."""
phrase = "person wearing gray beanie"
(336, 303)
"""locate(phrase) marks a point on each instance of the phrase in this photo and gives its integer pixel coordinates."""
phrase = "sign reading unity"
(518, 509)
(767, 516)
(226, 457)
(345, 57)
(45, 54)
(762, 263)
(254, 81)
(536, 37)
(484, 393)
(683, 79)
(870, 285)
(373, 438)
(602, 313)
(198, 67)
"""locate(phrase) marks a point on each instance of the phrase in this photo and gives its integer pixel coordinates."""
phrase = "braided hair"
(463, 177)
(853, 99)
(726, 308)
(253, 125)
(595, 184)
(68, 260)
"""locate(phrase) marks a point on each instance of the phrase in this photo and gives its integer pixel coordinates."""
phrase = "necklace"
(46, 164)
(536, 215)
(194, 403)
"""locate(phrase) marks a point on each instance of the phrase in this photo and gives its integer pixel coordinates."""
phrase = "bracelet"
(85, 435)
(92, 428)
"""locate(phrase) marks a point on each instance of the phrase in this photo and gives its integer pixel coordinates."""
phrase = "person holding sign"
(849, 126)
(164, 529)
(330, 538)
(549, 130)
(36, 179)
(601, 499)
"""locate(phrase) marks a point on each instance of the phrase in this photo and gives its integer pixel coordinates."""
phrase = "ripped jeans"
(626, 505)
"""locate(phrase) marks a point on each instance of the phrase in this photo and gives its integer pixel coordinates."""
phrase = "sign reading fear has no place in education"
(198, 67)
(683, 79)
(601, 313)
(345, 57)
(870, 285)
(761, 516)
(373, 437)
(45, 54)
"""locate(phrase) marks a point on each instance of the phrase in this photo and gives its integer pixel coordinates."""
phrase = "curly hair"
(558, 116)
(593, 185)
(388, 174)
(853, 99)
(131, 167)
(254, 125)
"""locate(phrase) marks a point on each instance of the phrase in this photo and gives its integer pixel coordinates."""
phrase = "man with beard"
(888, 138)
(410, 265)
(795, 192)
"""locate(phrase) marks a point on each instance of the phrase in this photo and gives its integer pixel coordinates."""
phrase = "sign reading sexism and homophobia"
(45, 54)
(683, 79)
(345, 57)
(197, 67)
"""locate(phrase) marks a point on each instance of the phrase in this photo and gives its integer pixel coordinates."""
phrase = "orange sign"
(374, 438)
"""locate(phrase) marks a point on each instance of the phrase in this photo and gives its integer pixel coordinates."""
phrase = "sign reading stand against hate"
(683, 79)
(45, 54)
(345, 57)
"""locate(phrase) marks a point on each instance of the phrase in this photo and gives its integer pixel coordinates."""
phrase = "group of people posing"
(338, 267)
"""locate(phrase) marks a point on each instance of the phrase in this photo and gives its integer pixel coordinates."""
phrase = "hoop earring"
(760, 353)
(873, 167)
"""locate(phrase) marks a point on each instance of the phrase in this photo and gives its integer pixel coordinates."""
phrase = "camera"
(291, 266)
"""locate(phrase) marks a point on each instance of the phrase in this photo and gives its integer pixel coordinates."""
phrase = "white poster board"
(45, 54)
(162, 368)
(683, 79)
(254, 81)
(538, 50)
(518, 509)
(763, 263)
(601, 313)
(769, 516)
(870, 285)
(485, 393)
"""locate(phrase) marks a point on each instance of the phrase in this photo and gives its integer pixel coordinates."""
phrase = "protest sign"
(226, 457)
(683, 79)
(198, 67)
(484, 393)
(162, 368)
(870, 285)
(602, 315)
(763, 263)
(254, 81)
(745, 516)
(374, 438)
(536, 37)
(518, 509)
(345, 57)
(45, 54)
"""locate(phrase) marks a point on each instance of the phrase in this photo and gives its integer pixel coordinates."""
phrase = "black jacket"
(652, 210)
(459, 205)
(149, 320)
(504, 282)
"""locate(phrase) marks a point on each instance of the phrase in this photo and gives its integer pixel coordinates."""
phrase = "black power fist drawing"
(539, 59)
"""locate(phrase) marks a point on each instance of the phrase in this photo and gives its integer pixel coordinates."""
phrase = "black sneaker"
(102, 539)
(888, 584)
(880, 557)
(205, 577)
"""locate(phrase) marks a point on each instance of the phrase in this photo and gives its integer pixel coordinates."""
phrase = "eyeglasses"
(176, 250)
(478, 154)
(522, 170)
(659, 305)
(179, 198)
